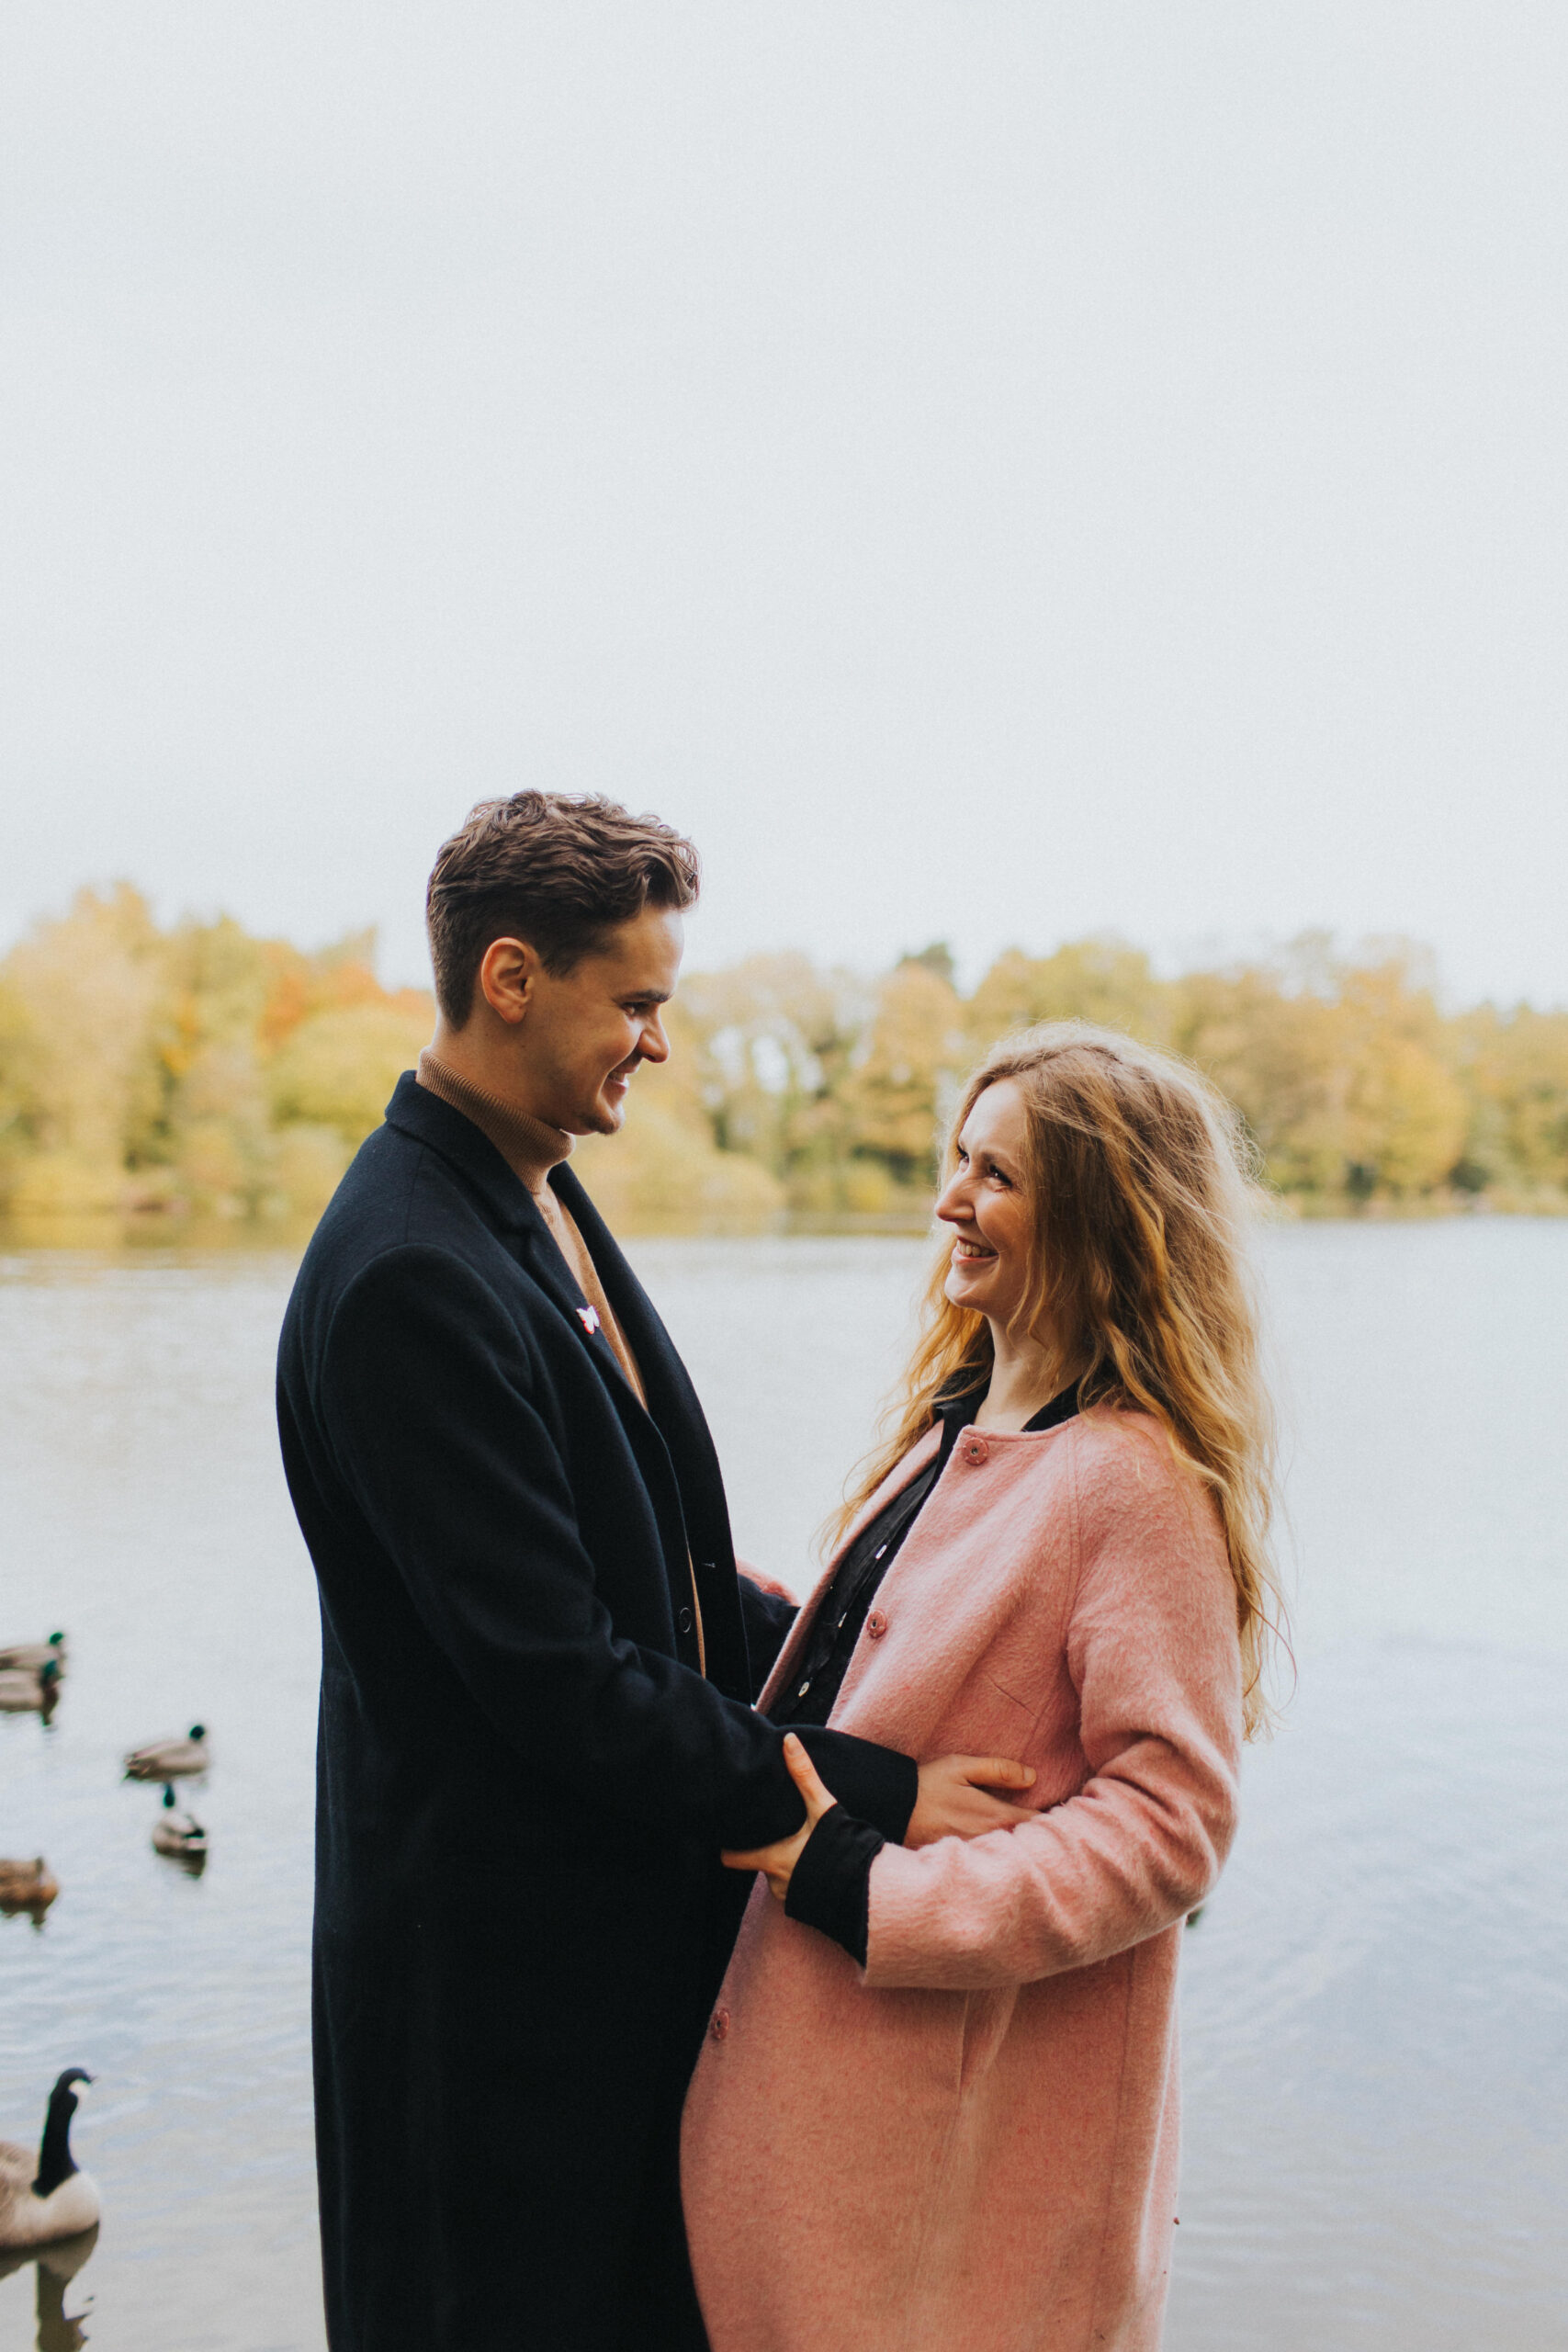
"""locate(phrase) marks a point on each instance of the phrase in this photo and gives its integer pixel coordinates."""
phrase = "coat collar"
(430, 1120)
(416, 1112)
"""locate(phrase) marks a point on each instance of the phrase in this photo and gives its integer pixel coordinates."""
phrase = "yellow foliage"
(1101, 981)
(338, 1068)
(86, 986)
(898, 1093)
(660, 1171)
(307, 1167)
(199, 1068)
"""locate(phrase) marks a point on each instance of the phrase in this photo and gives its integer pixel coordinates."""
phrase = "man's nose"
(653, 1045)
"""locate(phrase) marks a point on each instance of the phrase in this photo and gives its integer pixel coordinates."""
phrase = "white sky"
(991, 469)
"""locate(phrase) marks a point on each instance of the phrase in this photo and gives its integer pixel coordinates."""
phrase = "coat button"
(975, 1449)
(876, 1624)
(718, 2025)
(685, 1620)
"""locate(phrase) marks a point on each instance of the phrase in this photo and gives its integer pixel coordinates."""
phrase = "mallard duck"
(178, 1833)
(170, 1760)
(29, 1691)
(43, 2197)
(34, 1655)
(26, 1886)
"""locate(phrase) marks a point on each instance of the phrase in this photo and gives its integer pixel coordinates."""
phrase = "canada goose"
(33, 1655)
(169, 1759)
(30, 1690)
(177, 1833)
(45, 2198)
(27, 1886)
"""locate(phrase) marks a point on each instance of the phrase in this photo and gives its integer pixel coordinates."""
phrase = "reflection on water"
(1374, 2026)
(26, 1890)
(58, 2329)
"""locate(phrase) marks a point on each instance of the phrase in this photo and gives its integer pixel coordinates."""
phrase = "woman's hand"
(777, 1861)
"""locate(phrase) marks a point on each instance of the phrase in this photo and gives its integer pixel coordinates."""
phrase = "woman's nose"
(951, 1204)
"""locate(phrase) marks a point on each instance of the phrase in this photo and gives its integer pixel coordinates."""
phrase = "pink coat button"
(975, 1449)
(719, 2024)
(876, 1624)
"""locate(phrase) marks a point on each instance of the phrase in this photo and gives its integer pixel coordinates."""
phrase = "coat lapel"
(672, 1401)
(513, 1213)
(915, 1461)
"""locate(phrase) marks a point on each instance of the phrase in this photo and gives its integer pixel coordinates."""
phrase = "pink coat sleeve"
(1151, 1651)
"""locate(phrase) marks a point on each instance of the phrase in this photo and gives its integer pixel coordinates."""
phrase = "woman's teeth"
(962, 1249)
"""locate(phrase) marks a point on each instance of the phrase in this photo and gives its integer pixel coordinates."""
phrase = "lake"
(1375, 2024)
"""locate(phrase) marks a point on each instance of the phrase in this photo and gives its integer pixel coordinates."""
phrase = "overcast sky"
(994, 470)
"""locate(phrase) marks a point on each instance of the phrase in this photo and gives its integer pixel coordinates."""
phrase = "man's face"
(587, 1030)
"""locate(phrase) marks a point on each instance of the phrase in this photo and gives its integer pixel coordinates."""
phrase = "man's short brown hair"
(559, 872)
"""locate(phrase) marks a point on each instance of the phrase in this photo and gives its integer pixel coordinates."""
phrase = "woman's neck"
(1025, 1375)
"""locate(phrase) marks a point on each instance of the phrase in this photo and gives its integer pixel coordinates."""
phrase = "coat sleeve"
(1153, 1653)
(426, 1401)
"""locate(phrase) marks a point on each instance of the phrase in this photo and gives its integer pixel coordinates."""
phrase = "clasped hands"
(957, 1799)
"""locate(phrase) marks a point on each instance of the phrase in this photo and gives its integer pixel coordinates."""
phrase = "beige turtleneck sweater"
(531, 1148)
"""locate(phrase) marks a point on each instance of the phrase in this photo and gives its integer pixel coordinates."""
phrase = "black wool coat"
(524, 1780)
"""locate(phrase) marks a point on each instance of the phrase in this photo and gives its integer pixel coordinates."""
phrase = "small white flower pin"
(589, 1318)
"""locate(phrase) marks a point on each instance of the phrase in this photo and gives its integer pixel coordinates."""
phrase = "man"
(536, 1734)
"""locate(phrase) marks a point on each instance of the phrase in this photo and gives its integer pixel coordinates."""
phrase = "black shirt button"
(685, 1620)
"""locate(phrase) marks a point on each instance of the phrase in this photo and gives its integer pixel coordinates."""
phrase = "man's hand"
(765, 1583)
(956, 1799)
(777, 1861)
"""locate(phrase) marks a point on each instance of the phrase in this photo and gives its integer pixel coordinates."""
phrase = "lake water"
(1375, 2023)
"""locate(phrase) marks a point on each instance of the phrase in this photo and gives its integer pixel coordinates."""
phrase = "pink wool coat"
(971, 2144)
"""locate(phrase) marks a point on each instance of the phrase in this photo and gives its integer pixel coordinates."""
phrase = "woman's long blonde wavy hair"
(1144, 1190)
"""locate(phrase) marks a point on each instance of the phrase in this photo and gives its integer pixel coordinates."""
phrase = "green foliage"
(199, 1068)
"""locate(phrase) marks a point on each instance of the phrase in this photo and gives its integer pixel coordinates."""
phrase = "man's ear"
(509, 974)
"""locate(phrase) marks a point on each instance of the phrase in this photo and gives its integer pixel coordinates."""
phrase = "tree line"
(150, 1071)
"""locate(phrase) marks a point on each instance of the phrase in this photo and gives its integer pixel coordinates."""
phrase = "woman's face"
(989, 1208)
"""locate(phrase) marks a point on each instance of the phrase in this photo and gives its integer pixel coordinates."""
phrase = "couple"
(858, 1926)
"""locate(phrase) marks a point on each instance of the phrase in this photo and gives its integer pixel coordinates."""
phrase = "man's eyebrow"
(646, 995)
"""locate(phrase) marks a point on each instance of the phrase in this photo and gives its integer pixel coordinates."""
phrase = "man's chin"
(603, 1119)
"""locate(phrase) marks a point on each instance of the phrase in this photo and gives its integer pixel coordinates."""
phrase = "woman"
(937, 2106)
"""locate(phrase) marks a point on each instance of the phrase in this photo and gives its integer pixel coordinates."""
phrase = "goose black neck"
(55, 2161)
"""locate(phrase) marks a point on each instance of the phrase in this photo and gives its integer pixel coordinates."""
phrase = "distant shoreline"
(145, 1236)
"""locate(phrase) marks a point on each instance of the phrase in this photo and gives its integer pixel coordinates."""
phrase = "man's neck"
(530, 1146)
